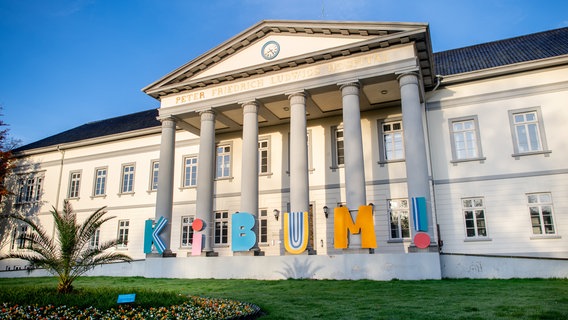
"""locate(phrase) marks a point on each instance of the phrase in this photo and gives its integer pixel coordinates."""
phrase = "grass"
(318, 299)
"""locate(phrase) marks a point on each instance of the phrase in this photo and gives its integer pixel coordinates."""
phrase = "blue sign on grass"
(126, 298)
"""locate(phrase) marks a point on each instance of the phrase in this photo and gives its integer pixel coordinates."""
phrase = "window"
(263, 156)
(223, 161)
(391, 141)
(123, 226)
(127, 179)
(29, 189)
(190, 172)
(466, 142)
(186, 231)
(528, 131)
(338, 150)
(338, 146)
(474, 213)
(263, 226)
(19, 238)
(398, 217)
(221, 227)
(74, 184)
(100, 182)
(94, 243)
(540, 208)
(154, 177)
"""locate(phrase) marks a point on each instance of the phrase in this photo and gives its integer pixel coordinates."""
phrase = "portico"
(235, 89)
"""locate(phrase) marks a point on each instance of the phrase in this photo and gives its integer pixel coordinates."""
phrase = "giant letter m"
(363, 224)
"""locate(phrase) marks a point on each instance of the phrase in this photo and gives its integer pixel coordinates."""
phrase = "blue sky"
(64, 63)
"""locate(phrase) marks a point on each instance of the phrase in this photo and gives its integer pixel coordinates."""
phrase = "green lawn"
(313, 299)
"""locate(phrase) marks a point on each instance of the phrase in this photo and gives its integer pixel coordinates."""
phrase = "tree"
(6, 146)
(67, 254)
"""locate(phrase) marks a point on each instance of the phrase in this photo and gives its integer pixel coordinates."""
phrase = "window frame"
(123, 233)
(474, 219)
(19, 241)
(477, 135)
(154, 173)
(74, 190)
(123, 175)
(96, 182)
(196, 168)
(266, 149)
(229, 175)
(263, 230)
(189, 225)
(334, 148)
(29, 192)
(382, 146)
(400, 230)
(221, 225)
(95, 240)
(541, 132)
(542, 225)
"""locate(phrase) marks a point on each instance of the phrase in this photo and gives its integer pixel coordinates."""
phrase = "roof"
(131, 122)
(529, 47)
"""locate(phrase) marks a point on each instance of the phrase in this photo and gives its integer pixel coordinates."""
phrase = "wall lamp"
(325, 211)
(276, 214)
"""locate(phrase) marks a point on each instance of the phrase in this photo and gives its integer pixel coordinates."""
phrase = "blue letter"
(243, 237)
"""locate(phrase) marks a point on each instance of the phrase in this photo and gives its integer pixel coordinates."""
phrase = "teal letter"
(148, 229)
(243, 237)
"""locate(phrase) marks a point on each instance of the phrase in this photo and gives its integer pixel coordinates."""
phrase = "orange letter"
(363, 224)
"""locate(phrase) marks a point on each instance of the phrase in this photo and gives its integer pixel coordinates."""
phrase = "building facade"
(335, 139)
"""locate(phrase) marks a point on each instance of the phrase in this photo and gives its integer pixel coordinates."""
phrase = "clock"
(270, 50)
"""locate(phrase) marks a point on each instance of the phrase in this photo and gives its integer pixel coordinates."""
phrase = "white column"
(249, 182)
(415, 143)
(353, 147)
(165, 192)
(206, 176)
(299, 185)
(353, 153)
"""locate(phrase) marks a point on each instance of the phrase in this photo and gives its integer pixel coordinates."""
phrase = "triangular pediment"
(297, 43)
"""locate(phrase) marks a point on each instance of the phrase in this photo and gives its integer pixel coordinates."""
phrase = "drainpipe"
(439, 79)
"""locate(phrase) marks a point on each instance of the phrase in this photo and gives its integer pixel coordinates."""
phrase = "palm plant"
(67, 254)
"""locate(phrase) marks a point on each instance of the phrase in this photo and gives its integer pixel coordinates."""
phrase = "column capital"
(250, 106)
(168, 121)
(297, 96)
(348, 88)
(207, 115)
(407, 78)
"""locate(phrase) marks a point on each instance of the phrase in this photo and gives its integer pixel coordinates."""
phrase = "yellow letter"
(363, 224)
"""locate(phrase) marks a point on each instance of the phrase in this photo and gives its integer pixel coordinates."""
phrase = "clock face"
(270, 50)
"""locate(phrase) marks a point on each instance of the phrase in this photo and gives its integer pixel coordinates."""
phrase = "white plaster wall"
(417, 266)
(491, 100)
(506, 214)
(476, 267)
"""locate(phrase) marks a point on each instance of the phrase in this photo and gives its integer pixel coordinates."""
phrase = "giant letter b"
(243, 237)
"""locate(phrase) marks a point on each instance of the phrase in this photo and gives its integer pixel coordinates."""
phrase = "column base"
(169, 254)
(250, 253)
(358, 251)
(165, 254)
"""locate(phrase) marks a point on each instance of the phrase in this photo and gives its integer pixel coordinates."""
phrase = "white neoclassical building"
(321, 149)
